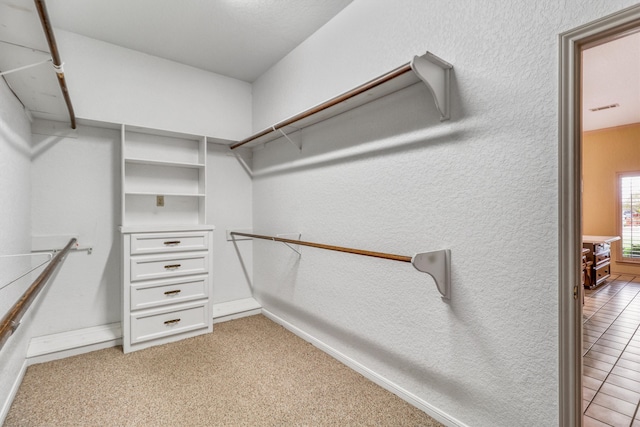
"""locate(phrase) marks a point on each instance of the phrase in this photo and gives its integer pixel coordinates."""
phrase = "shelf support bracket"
(244, 164)
(297, 145)
(437, 264)
(436, 75)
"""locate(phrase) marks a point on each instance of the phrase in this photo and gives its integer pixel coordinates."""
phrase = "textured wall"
(229, 201)
(390, 177)
(76, 184)
(76, 191)
(15, 150)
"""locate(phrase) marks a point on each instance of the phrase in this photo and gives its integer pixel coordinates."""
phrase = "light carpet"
(248, 372)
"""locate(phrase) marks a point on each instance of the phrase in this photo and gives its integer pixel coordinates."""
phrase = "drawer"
(162, 292)
(602, 257)
(170, 265)
(601, 272)
(154, 324)
(146, 243)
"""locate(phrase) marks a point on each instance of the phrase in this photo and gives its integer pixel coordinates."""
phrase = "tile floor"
(611, 369)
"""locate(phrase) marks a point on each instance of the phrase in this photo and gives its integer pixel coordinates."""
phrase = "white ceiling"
(243, 39)
(611, 75)
(235, 38)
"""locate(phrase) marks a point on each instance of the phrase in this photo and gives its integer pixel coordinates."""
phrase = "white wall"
(229, 207)
(76, 191)
(15, 190)
(113, 84)
(390, 177)
(76, 176)
(76, 185)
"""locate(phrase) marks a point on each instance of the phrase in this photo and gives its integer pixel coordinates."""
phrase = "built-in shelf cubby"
(163, 178)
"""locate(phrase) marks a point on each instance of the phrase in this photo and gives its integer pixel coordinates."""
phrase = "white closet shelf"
(159, 193)
(428, 68)
(164, 228)
(140, 161)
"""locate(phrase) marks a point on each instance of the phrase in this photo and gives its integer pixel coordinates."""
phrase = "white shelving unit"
(166, 294)
(163, 178)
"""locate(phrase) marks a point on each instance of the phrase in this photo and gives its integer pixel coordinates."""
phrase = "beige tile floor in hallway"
(611, 380)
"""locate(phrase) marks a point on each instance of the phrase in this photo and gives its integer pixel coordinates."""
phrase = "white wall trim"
(65, 344)
(71, 343)
(230, 310)
(570, 208)
(405, 395)
(12, 393)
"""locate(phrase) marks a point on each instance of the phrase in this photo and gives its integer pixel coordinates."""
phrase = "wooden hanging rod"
(437, 264)
(330, 103)
(55, 56)
(328, 247)
(11, 320)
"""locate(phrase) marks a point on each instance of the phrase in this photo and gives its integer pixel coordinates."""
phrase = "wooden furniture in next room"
(600, 257)
(586, 266)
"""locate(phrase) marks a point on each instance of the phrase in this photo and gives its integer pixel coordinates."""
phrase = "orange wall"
(604, 153)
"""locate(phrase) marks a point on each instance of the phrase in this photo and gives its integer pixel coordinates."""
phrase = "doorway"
(572, 44)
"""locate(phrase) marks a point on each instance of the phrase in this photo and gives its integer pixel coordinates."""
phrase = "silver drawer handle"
(171, 322)
(172, 242)
(177, 291)
(172, 266)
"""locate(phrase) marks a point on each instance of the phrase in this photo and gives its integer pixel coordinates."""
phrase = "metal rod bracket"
(298, 236)
(26, 67)
(437, 264)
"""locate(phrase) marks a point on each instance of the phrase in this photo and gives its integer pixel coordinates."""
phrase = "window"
(629, 214)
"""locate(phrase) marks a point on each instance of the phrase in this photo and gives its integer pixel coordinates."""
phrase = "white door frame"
(570, 205)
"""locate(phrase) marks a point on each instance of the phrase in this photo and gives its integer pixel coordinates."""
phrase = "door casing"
(570, 201)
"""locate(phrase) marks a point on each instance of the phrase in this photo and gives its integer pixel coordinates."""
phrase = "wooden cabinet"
(598, 258)
(586, 266)
(166, 243)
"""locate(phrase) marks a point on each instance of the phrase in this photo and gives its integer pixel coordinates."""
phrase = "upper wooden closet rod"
(55, 57)
(328, 104)
(433, 71)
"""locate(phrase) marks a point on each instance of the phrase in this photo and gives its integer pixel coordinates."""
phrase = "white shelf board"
(140, 161)
(153, 193)
(428, 68)
(403, 81)
(164, 228)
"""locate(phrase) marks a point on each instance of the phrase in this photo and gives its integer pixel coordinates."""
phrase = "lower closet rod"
(435, 263)
(11, 320)
(328, 247)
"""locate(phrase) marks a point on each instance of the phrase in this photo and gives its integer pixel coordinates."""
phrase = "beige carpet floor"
(248, 372)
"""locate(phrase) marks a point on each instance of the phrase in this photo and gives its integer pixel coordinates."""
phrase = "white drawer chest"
(166, 293)
(166, 242)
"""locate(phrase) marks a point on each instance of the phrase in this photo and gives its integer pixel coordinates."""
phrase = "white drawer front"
(155, 324)
(162, 292)
(159, 266)
(146, 243)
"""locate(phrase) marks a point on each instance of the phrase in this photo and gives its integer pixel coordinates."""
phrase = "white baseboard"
(71, 343)
(405, 395)
(230, 310)
(12, 394)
